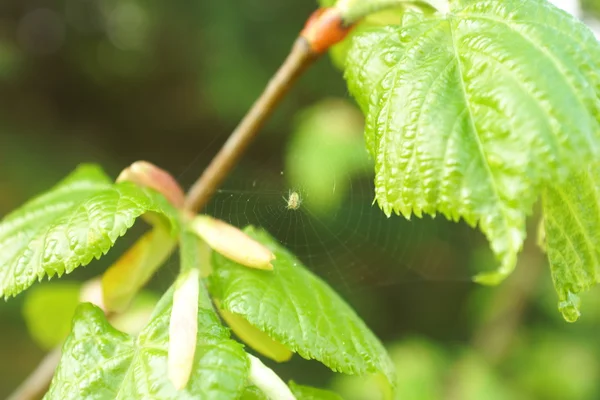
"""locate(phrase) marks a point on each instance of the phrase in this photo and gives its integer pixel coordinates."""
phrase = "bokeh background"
(115, 81)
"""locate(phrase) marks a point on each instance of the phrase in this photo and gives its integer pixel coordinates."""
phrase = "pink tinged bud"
(233, 243)
(183, 329)
(148, 175)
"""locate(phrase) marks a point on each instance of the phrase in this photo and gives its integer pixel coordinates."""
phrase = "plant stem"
(267, 381)
(300, 57)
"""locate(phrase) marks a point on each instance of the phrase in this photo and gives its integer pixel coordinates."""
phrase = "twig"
(36, 384)
(300, 57)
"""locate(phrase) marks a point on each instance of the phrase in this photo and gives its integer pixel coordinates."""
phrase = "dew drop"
(569, 308)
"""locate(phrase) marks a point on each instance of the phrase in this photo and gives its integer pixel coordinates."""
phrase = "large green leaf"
(299, 310)
(471, 112)
(100, 362)
(70, 225)
(572, 236)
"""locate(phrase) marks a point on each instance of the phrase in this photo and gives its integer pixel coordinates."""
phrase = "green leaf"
(48, 311)
(572, 237)
(122, 281)
(253, 393)
(299, 310)
(255, 338)
(470, 113)
(100, 362)
(76, 221)
(309, 393)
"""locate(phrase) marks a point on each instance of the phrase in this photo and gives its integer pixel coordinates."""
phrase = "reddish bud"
(324, 28)
(148, 175)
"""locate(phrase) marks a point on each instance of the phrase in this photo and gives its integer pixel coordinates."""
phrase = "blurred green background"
(113, 82)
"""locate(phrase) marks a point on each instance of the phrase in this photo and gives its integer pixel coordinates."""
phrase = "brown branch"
(300, 57)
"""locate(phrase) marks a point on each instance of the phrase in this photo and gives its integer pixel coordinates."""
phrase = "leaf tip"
(569, 307)
(491, 278)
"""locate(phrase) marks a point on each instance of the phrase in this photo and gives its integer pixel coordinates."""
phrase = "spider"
(293, 200)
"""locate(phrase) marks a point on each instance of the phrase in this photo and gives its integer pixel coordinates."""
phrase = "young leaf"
(255, 338)
(76, 221)
(471, 112)
(299, 310)
(572, 238)
(99, 362)
(122, 281)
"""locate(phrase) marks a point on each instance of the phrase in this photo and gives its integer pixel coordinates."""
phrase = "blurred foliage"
(326, 151)
(115, 81)
(591, 6)
(48, 311)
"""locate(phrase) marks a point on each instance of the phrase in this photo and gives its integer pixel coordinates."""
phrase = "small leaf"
(135, 267)
(76, 221)
(232, 243)
(572, 237)
(255, 338)
(183, 328)
(99, 362)
(309, 393)
(299, 310)
(48, 311)
(471, 113)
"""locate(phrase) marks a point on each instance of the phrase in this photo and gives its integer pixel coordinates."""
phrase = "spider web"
(337, 231)
(355, 246)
